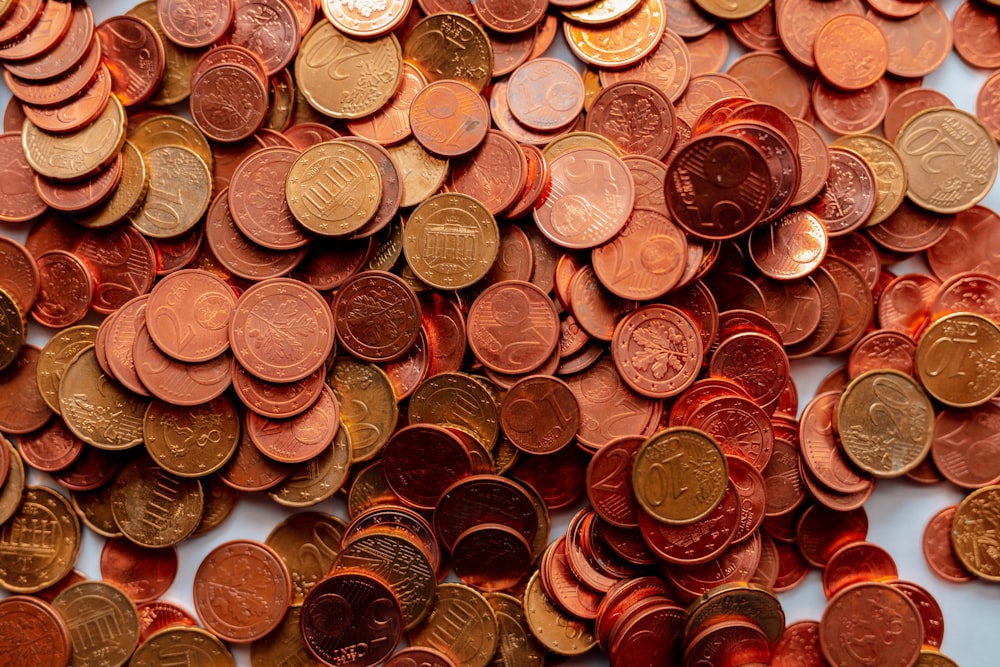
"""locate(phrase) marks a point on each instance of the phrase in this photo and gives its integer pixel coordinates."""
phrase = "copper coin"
(45, 32)
(449, 118)
(178, 382)
(281, 330)
(390, 124)
(22, 201)
(229, 54)
(657, 350)
(718, 186)
(513, 327)
(393, 517)
(476, 174)
(968, 292)
(304, 135)
(856, 304)
(144, 574)
(93, 469)
(927, 606)
(973, 26)
(347, 609)
(589, 201)
(930, 27)
(562, 586)
(24, 410)
(33, 628)
(377, 315)
(596, 310)
(961, 445)
(269, 28)
(868, 605)
(904, 304)
(242, 590)
(737, 563)
(191, 28)
(19, 275)
(62, 88)
(81, 195)
(125, 42)
(159, 615)
(848, 198)
(857, 562)
(249, 470)
(938, 551)
(545, 94)
(420, 656)
(966, 244)
(491, 557)
(273, 399)
(50, 449)
(821, 454)
(188, 315)
(257, 200)
(540, 414)
(228, 102)
(237, 253)
(122, 263)
(421, 461)
(667, 67)
(850, 52)
(299, 438)
(64, 54)
(66, 290)
(850, 112)
(636, 116)
(907, 104)
(484, 499)
(646, 259)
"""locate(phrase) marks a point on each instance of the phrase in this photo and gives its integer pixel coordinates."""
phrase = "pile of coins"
(400, 254)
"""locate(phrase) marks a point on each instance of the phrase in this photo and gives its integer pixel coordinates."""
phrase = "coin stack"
(290, 249)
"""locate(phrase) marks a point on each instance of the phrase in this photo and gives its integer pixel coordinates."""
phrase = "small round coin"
(957, 361)
(680, 475)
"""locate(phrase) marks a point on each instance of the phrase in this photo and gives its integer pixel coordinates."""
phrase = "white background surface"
(898, 510)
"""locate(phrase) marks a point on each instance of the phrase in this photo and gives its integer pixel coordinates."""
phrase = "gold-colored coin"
(319, 478)
(76, 155)
(219, 502)
(729, 10)
(571, 140)
(345, 77)
(171, 130)
(333, 188)
(680, 475)
(13, 333)
(368, 407)
(517, 646)
(451, 240)
(94, 510)
(153, 507)
(180, 190)
(182, 646)
(308, 542)
(461, 624)
(401, 563)
(890, 174)
(505, 454)
(127, 197)
(591, 86)
(96, 408)
(973, 532)
(281, 101)
(39, 543)
(931, 657)
(456, 399)
(958, 359)
(389, 247)
(600, 12)
(885, 422)
(12, 488)
(103, 622)
(56, 355)
(176, 83)
(621, 43)
(558, 632)
(283, 645)
(369, 489)
(421, 173)
(754, 603)
(450, 46)
(411, 279)
(191, 441)
(950, 158)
